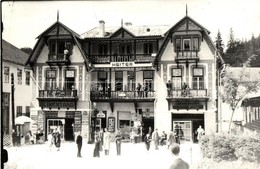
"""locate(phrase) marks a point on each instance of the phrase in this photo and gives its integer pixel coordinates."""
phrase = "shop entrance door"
(184, 128)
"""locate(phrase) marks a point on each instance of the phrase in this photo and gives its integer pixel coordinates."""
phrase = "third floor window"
(59, 47)
(187, 44)
(19, 76)
(198, 78)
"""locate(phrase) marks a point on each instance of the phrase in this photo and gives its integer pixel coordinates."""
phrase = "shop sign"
(111, 124)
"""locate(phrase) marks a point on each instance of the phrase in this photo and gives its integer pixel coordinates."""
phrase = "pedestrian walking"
(155, 138)
(79, 144)
(170, 139)
(118, 140)
(57, 140)
(163, 138)
(147, 141)
(50, 141)
(107, 140)
(31, 137)
(178, 163)
(97, 141)
(101, 135)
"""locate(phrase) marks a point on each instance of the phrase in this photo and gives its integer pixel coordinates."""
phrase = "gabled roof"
(13, 54)
(57, 29)
(185, 24)
(136, 31)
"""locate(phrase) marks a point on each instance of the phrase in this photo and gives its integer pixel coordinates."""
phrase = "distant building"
(13, 62)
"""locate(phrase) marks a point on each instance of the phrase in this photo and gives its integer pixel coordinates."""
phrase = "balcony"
(58, 99)
(122, 96)
(138, 58)
(58, 59)
(187, 57)
(188, 99)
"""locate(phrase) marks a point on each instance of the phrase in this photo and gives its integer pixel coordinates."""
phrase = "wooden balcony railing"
(59, 94)
(58, 59)
(122, 95)
(191, 93)
(184, 55)
(122, 58)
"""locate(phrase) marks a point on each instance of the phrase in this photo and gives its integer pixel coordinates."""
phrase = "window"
(19, 110)
(27, 78)
(176, 78)
(119, 80)
(124, 119)
(58, 47)
(27, 111)
(102, 49)
(148, 80)
(198, 78)
(125, 49)
(6, 74)
(69, 79)
(131, 80)
(178, 44)
(148, 48)
(19, 76)
(186, 44)
(50, 81)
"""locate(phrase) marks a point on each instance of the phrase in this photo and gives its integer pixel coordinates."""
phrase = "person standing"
(147, 141)
(57, 140)
(107, 140)
(170, 138)
(163, 138)
(177, 134)
(200, 132)
(118, 140)
(155, 137)
(169, 88)
(50, 141)
(178, 163)
(101, 135)
(79, 144)
(97, 141)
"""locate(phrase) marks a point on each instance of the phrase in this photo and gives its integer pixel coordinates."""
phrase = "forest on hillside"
(239, 51)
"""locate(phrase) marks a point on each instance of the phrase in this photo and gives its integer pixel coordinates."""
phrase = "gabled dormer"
(186, 36)
(60, 41)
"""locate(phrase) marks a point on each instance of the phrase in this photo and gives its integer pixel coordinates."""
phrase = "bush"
(223, 147)
(212, 164)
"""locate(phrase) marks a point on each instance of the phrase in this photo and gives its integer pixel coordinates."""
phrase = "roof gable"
(122, 33)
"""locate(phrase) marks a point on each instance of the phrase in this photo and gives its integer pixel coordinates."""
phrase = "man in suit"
(79, 144)
(178, 163)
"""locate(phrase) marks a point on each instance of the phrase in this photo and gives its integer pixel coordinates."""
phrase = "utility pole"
(12, 100)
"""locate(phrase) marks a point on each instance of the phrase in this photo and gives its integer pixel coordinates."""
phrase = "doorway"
(184, 130)
(68, 130)
(147, 122)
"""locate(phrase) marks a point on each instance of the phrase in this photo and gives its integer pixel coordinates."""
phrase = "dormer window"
(187, 43)
(59, 49)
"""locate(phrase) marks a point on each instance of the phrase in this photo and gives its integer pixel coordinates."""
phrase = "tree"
(27, 50)
(219, 43)
(235, 87)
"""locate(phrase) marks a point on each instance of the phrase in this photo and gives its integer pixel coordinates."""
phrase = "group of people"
(142, 91)
(54, 139)
(102, 140)
(185, 89)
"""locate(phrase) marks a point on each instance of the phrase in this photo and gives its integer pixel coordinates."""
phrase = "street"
(132, 156)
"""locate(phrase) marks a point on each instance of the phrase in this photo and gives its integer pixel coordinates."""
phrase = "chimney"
(128, 24)
(101, 28)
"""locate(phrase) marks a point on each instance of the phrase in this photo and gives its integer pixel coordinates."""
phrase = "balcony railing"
(122, 58)
(58, 58)
(192, 93)
(59, 94)
(192, 54)
(122, 95)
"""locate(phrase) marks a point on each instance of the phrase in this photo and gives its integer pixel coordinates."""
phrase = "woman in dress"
(107, 140)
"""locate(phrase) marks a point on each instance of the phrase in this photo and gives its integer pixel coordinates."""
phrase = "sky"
(23, 20)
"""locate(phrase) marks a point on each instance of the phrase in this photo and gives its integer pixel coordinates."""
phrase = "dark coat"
(79, 140)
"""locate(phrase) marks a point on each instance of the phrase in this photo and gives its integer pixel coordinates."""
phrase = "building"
(187, 80)
(115, 78)
(13, 69)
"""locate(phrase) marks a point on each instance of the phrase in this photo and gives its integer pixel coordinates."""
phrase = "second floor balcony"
(58, 99)
(137, 58)
(58, 59)
(188, 94)
(122, 96)
(189, 56)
